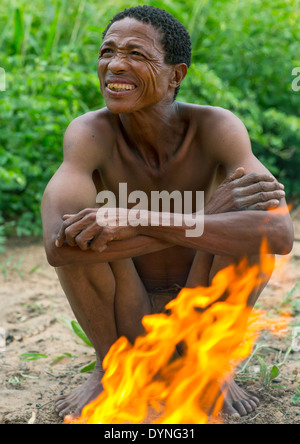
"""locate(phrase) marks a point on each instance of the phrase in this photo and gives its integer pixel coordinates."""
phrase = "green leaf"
(296, 398)
(19, 30)
(88, 368)
(274, 372)
(263, 368)
(53, 32)
(80, 333)
(59, 358)
(66, 321)
(33, 356)
(35, 269)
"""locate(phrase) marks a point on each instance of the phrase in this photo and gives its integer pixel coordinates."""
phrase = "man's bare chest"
(190, 173)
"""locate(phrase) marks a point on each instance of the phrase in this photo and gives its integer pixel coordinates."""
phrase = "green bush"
(243, 56)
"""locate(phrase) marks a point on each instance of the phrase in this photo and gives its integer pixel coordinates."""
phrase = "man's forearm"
(117, 250)
(235, 234)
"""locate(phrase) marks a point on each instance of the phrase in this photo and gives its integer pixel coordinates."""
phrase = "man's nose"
(118, 63)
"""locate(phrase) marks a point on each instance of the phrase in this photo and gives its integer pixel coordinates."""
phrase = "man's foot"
(237, 401)
(77, 400)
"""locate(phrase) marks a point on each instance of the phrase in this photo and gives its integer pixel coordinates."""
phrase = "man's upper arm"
(231, 145)
(72, 188)
(232, 149)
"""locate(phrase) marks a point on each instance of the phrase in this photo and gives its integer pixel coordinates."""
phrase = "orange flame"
(217, 336)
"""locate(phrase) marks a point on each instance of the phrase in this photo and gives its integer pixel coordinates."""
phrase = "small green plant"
(296, 398)
(292, 299)
(15, 381)
(37, 356)
(63, 356)
(10, 265)
(33, 356)
(76, 328)
(80, 333)
(267, 373)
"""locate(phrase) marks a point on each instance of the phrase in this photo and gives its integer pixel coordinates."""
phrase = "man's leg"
(90, 291)
(204, 269)
(108, 300)
(132, 302)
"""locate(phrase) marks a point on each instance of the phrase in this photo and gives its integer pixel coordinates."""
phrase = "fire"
(216, 335)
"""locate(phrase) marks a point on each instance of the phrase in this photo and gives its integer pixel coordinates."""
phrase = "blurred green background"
(244, 52)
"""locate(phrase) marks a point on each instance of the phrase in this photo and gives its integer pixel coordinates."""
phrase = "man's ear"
(179, 74)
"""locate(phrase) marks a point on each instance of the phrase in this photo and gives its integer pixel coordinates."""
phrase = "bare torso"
(191, 168)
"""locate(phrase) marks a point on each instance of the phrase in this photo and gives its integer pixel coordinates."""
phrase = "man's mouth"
(119, 87)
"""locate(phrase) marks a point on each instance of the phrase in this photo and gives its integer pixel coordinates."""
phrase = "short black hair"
(176, 40)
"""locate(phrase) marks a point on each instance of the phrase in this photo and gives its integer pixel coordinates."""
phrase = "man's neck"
(155, 133)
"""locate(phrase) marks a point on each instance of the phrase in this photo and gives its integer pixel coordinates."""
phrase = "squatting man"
(115, 274)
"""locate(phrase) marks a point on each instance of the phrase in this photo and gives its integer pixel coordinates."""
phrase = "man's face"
(131, 68)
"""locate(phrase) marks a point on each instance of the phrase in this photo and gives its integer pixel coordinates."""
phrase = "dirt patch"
(32, 307)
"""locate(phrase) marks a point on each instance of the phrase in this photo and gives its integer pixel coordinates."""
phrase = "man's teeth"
(120, 87)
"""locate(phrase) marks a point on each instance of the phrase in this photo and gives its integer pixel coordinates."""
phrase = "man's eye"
(106, 51)
(136, 53)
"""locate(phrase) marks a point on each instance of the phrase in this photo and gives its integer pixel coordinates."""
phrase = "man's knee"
(82, 276)
(222, 262)
(219, 264)
(264, 272)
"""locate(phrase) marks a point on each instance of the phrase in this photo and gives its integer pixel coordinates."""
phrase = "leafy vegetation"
(244, 54)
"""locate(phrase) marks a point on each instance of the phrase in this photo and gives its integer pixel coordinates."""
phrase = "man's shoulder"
(221, 134)
(208, 116)
(215, 125)
(92, 133)
(93, 124)
(89, 138)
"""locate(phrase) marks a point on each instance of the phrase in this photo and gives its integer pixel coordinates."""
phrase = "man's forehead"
(131, 32)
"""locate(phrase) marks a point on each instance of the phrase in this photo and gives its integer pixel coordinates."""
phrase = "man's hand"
(87, 230)
(239, 192)
(246, 192)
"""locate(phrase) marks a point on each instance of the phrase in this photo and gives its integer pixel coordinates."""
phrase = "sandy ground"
(32, 307)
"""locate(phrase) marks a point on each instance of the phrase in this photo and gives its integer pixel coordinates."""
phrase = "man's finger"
(239, 172)
(264, 206)
(72, 218)
(86, 237)
(260, 198)
(69, 219)
(260, 187)
(102, 240)
(250, 179)
(61, 237)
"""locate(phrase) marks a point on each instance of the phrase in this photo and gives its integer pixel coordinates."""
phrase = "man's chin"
(121, 107)
(117, 109)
